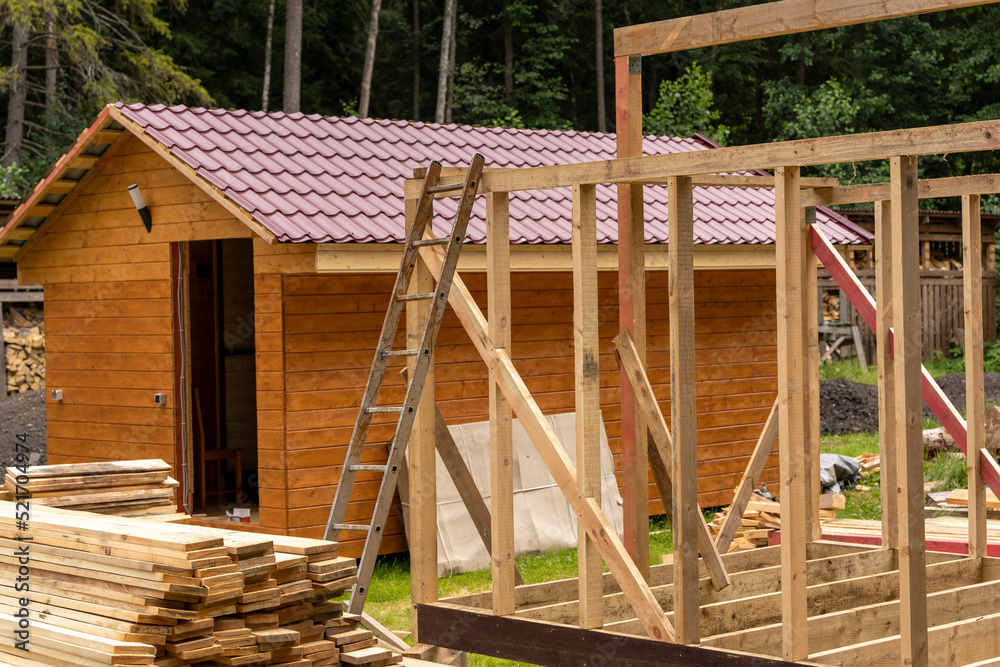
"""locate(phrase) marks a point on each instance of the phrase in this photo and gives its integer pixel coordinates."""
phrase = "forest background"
(512, 63)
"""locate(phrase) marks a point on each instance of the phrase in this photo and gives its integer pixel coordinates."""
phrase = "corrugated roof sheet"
(310, 178)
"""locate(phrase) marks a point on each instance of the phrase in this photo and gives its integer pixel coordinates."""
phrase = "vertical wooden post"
(632, 310)
(811, 378)
(791, 241)
(908, 404)
(421, 458)
(886, 373)
(682, 408)
(588, 395)
(972, 259)
(501, 438)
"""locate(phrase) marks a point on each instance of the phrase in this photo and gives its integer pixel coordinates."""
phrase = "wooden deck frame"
(803, 600)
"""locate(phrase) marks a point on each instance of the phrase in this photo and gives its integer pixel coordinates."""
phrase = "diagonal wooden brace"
(933, 395)
(765, 443)
(664, 444)
(550, 450)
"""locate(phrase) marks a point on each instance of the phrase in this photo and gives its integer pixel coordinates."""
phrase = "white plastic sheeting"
(543, 520)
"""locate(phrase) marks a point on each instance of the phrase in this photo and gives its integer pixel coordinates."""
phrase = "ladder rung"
(367, 468)
(448, 187)
(361, 528)
(420, 243)
(401, 353)
(423, 296)
(386, 410)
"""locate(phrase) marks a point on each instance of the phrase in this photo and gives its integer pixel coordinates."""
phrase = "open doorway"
(223, 387)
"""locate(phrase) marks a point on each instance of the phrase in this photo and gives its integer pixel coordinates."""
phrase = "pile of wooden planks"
(762, 516)
(110, 590)
(125, 488)
(24, 349)
(961, 497)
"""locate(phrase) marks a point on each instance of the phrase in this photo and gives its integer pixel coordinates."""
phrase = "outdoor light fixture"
(140, 205)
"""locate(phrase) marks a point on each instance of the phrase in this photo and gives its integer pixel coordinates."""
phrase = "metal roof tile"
(319, 179)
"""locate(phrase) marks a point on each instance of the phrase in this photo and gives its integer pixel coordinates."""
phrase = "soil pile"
(847, 407)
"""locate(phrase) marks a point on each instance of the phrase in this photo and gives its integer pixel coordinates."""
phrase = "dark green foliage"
(933, 69)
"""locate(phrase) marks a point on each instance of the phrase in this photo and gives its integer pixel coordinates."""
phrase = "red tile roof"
(309, 178)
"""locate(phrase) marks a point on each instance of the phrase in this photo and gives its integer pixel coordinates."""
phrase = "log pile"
(831, 306)
(763, 516)
(24, 349)
(125, 488)
(121, 591)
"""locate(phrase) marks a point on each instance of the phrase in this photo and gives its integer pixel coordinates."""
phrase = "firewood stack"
(24, 343)
(831, 306)
(109, 590)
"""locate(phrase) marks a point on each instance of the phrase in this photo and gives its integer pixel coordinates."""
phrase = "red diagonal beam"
(939, 403)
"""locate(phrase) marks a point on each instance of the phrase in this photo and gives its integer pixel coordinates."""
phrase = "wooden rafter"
(552, 454)
(927, 188)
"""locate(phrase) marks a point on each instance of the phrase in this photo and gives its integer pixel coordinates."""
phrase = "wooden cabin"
(237, 331)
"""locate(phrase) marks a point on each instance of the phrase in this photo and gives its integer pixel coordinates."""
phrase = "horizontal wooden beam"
(863, 624)
(767, 20)
(385, 257)
(959, 643)
(835, 596)
(958, 138)
(542, 643)
(927, 188)
(745, 584)
(411, 187)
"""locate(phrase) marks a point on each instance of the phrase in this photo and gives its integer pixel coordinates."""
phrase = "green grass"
(850, 369)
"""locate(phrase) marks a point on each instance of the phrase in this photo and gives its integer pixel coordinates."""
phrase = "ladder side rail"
(415, 388)
(359, 436)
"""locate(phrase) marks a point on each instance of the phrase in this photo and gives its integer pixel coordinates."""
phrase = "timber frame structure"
(805, 600)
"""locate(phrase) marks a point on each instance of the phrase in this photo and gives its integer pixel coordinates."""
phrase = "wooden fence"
(942, 304)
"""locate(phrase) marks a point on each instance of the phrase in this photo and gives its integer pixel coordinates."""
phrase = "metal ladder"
(415, 240)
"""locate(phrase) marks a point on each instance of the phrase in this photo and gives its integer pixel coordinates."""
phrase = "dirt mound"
(847, 407)
(22, 413)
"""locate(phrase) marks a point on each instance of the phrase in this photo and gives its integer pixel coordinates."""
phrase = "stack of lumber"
(111, 590)
(24, 349)
(869, 462)
(763, 516)
(125, 488)
(961, 497)
(943, 529)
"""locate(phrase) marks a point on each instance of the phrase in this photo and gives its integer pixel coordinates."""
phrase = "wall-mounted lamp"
(140, 205)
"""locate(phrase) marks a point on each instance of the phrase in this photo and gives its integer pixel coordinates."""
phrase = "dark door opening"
(223, 374)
